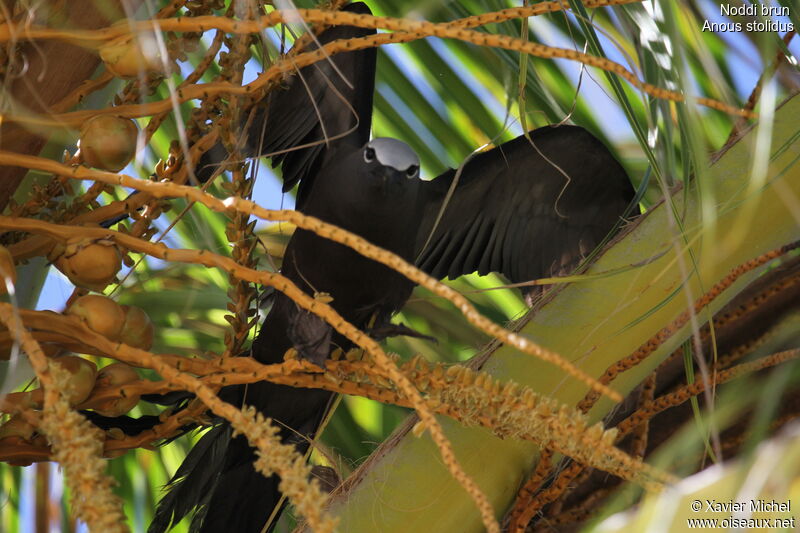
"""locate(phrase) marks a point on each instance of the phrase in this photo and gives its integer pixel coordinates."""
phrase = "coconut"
(128, 57)
(84, 374)
(100, 313)
(16, 437)
(116, 375)
(16, 426)
(82, 379)
(138, 329)
(108, 142)
(91, 264)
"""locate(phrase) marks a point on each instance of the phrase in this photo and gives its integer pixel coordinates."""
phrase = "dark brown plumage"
(529, 208)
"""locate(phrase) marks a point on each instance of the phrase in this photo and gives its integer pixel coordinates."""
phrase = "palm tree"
(662, 306)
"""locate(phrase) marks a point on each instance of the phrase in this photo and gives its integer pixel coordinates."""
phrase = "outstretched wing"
(320, 103)
(322, 106)
(525, 209)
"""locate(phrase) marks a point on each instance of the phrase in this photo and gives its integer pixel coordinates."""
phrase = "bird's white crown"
(393, 153)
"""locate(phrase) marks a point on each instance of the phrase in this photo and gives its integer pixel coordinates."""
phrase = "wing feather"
(485, 263)
(524, 209)
(319, 103)
(470, 238)
(480, 243)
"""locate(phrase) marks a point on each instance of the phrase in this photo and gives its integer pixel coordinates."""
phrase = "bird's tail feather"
(243, 499)
(194, 481)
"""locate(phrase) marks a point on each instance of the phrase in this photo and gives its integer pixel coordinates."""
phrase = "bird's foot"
(385, 331)
(310, 336)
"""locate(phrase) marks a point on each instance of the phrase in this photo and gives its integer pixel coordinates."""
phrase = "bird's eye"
(369, 155)
(412, 171)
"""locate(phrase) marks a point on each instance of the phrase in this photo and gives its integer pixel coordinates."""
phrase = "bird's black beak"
(395, 176)
(391, 179)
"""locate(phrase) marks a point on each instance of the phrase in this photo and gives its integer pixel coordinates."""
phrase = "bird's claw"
(385, 331)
